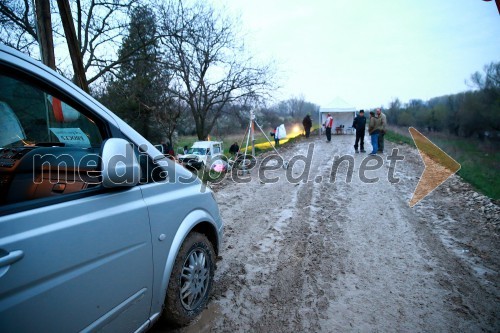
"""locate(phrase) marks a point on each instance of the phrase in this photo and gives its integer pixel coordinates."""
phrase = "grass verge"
(399, 138)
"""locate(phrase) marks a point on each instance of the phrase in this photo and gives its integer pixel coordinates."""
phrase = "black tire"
(192, 274)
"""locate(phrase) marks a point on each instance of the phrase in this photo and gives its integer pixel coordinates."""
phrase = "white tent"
(342, 112)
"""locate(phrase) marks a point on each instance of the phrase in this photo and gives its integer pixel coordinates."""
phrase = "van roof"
(205, 144)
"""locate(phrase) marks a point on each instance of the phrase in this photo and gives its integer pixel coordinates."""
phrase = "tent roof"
(337, 105)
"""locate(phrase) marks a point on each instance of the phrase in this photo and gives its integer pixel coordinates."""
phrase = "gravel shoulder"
(337, 255)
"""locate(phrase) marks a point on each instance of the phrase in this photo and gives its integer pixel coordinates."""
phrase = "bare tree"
(99, 27)
(293, 107)
(17, 25)
(168, 115)
(491, 78)
(207, 58)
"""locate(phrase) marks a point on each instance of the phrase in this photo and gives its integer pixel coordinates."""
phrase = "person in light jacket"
(382, 128)
(277, 136)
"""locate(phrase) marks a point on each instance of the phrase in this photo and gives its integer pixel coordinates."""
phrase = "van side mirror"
(119, 167)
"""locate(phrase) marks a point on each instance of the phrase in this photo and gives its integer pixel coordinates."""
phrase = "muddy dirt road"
(323, 256)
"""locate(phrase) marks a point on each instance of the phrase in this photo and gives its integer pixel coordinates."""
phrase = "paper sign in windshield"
(71, 136)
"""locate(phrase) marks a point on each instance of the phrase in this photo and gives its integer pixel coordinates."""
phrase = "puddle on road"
(204, 322)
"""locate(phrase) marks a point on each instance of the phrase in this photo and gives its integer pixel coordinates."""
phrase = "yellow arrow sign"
(439, 166)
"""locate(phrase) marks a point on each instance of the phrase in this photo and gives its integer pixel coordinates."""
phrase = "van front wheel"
(191, 280)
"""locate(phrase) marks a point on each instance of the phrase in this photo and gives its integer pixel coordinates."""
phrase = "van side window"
(47, 147)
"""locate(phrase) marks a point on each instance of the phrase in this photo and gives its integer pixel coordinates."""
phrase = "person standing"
(277, 136)
(373, 131)
(307, 122)
(234, 149)
(382, 119)
(359, 124)
(168, 150)
(328, 127)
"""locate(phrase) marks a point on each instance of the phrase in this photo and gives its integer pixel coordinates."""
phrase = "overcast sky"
(371, 52)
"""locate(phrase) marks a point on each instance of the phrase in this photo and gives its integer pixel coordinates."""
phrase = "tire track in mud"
(311, 257)
(287, 308)
(285, 284)
(247, 300)
(325, 253)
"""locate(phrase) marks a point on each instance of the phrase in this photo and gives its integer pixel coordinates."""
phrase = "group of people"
(377, 126)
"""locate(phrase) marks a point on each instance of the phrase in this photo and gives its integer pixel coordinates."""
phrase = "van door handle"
(11, 257)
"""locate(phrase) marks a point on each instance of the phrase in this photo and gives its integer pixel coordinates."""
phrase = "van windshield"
(197, 151)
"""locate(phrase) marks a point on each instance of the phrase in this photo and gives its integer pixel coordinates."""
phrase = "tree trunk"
(200, 133)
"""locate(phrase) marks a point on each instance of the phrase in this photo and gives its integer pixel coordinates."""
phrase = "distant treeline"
(235, 118)
(473, 113)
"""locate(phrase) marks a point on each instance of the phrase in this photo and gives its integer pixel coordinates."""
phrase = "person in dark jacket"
(234, 149)
(328, 124)
(359, 124)
(167, 149)
(307, 122)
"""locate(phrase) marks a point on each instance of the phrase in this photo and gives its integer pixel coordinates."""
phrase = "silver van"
(98, 230)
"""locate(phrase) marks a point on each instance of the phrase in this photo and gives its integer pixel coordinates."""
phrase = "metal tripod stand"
(250, 136)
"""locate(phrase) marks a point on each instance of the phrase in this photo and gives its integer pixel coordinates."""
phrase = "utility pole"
(44, 32)
(73, 44)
